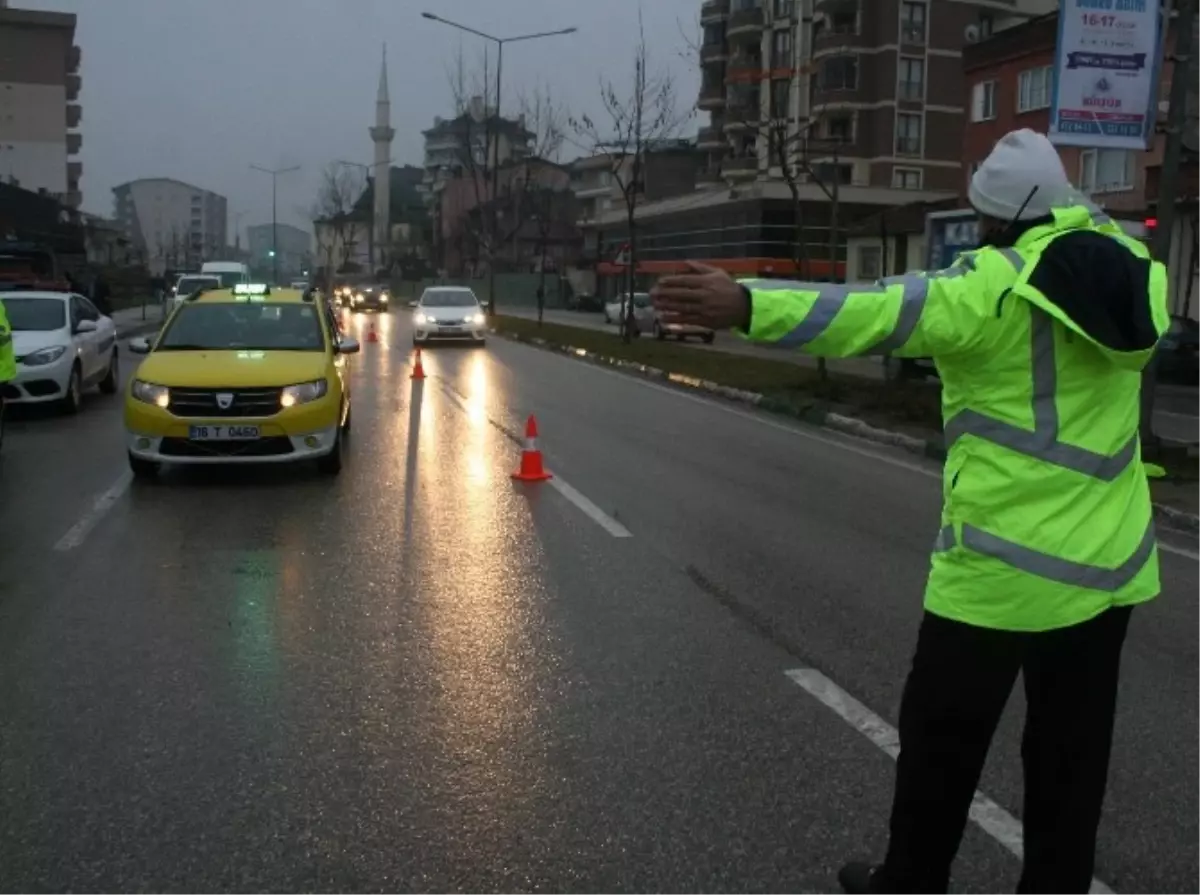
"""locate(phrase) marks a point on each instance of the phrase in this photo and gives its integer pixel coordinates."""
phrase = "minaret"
(381, 135)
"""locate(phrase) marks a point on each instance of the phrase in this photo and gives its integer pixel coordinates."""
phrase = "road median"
(904, 415)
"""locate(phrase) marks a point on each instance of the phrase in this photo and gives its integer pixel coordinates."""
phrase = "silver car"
(449, 313)
(646, 320)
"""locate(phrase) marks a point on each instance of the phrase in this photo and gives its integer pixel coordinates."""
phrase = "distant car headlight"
(359, 298)
(477, 318)
(303, 393)
(149, 393)
(383, 297)
(45, 356)
(421, 318)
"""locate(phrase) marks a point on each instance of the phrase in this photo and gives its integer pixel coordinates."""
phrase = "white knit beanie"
(1018, 162)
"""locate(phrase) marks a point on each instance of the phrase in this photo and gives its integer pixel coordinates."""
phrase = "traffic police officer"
(1046, 539)
(8, 361)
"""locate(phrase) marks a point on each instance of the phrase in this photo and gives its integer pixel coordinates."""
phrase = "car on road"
(612, 308)
(189, 283)
(230, 273)
(449, 313)
(647, 320)
(63, 346)
(370, 297)
(243, 375)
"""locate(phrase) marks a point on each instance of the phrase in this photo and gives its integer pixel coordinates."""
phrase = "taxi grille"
(241, 402)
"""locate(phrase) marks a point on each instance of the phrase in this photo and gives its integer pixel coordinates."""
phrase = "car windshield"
(449, 298)
(188, 285)
(263, 326)
(35, 315)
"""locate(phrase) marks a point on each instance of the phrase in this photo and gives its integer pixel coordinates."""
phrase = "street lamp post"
(275, 172)
(494, 153)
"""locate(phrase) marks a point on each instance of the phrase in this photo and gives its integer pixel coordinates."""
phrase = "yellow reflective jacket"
(1046, 518)
(8, 360)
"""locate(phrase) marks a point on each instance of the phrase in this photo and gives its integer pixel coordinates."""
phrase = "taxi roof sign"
(251, 289)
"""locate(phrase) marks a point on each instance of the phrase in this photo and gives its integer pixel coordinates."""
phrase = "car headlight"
(421, 318)
(476, 318)
(149, 393)
(303, 393)
(383, 297)
(358, 297)
(45, 356)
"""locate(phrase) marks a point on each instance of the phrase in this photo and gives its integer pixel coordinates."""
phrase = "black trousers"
(960, 680)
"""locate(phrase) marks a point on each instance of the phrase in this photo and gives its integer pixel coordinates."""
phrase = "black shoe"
(855, 877)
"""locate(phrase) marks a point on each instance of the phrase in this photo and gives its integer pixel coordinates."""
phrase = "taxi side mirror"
(348, 346)
(140, 345)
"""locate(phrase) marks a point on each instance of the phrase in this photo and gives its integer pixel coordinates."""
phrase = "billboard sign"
(948, 234)
(1106, 71)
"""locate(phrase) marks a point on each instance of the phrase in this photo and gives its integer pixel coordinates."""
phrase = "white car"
(63, 346)
(190, 283)
(449, 312)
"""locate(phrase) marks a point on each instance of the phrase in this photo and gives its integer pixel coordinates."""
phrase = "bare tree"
(498, 181)
(636, 119)
(334, 225)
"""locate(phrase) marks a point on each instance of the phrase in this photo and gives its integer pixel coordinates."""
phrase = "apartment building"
(39, 109)
(669, 168)
(869, 92)
(457, 145)
(172, 224)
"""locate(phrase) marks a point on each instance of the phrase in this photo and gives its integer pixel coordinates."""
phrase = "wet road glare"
(423, 676)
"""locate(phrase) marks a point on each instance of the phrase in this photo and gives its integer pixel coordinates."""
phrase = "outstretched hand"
(705, 296)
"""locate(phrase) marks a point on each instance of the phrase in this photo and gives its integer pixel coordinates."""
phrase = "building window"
(839, 128)
(1033, 89)
(843, 20)
(1105, 170)
(908, 133)
(911, 83)
(912, 22)
(714, 35)
(906, 178)
(870, 262)
(839, 73)
(983, 101)
(827, 173)
(781, 49)
(783, 8)
(781, 96)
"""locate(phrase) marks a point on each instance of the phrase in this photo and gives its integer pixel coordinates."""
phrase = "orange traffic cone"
(372, 336)
(531, 458)
(418, 370)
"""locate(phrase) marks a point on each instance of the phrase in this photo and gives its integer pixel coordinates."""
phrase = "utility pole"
(1168, 184)
(275, 172)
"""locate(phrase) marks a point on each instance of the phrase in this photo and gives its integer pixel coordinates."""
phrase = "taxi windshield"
(264, 326)
(35, 315)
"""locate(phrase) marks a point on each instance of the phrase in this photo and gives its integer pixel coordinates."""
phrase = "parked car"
(63, 346)
(1179, 352)
(647, 320)
(612, 308)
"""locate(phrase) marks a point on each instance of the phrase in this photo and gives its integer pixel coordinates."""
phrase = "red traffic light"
(1151, 223)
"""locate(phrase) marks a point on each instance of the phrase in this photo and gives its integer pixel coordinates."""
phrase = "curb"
(930, 448)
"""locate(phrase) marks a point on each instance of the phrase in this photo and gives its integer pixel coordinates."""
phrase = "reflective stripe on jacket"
(1046, 518)
(8, 360)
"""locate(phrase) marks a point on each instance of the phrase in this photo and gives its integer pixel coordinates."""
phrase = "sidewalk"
(131, 322)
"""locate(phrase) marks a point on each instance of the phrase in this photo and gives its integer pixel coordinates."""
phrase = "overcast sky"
(199, 90)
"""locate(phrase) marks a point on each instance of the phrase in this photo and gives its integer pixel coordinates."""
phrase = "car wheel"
(659, 332)
(708, 338)
(142, 469)
(331, 463)
(108, 385)
(73, 400)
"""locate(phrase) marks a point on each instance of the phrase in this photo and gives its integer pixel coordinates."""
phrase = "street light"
(499, 42)
(370, 226)
(275, 172)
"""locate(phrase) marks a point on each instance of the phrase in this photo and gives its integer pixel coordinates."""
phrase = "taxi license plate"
(222, 433)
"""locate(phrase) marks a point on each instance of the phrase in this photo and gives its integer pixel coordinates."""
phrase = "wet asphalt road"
(422, 677)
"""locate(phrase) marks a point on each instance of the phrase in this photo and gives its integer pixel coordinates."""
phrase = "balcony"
(713, 53)
(74, 171)
(74, 142)
(74, 115)
(710, 138)
(73, 84)
(713, 11)
(740, 167)
(742, 109)
(745, 24)
(73, 59)
(592, 190)
(712, 96)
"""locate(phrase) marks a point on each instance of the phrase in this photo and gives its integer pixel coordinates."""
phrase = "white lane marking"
(989, 816)
(559, 484)
(593, 512)
(845, 444)
(78, 532)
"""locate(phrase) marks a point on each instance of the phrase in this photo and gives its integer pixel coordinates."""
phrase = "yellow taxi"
(248, 374)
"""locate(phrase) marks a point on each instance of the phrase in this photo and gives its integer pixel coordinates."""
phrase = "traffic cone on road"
(418, 370)
(531, 458)
(372, 336)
